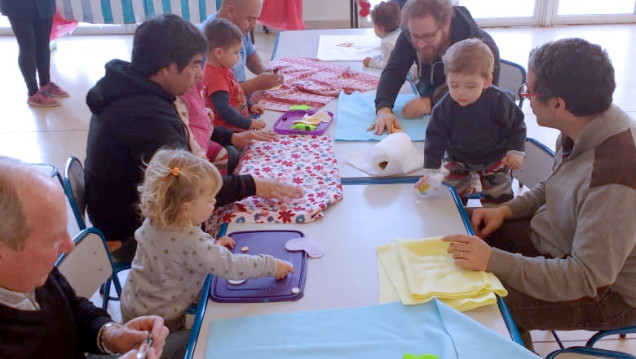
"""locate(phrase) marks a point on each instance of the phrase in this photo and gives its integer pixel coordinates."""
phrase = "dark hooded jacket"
(132, 118)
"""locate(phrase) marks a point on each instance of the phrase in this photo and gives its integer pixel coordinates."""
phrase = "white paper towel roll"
(394, 155)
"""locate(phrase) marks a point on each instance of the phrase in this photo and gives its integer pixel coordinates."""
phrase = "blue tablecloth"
(385, 331)
(356, 112)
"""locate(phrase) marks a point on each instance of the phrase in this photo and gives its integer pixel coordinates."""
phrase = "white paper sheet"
(347, 47)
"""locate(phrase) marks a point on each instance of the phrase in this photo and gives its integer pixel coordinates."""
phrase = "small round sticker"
(245, 249)
(295, 290)
(236, 282)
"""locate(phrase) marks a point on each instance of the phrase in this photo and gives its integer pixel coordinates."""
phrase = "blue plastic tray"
(264, 289)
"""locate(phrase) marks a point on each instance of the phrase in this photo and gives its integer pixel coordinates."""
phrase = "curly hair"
(579, 72)
(469, 56)
(440, 10)
(386, 15)
(172, 178)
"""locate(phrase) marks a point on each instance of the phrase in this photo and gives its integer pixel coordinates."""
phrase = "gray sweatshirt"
(170, 267)
(583, 218)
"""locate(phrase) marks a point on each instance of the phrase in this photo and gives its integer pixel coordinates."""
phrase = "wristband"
(101, 345)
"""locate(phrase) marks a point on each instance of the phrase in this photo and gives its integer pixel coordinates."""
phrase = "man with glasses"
(431, 27)
(566, 249)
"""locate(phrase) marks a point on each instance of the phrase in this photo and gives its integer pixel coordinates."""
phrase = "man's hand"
(417, 107)
(269, 79)
(246, 138)
(366, 61)
(487, 220)
(469, 252)
(132, 334)
(385, 121)
(268, 188)
(511, 161)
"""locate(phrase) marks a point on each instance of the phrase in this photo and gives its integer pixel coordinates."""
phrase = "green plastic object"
(303, 126)
(422, 356)
(300, 107)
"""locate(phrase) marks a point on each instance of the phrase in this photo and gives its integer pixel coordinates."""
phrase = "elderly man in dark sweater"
(430, 27)
(40, 314)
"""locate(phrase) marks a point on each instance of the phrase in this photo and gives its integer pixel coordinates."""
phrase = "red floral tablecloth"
(312, 82)
(306, 161)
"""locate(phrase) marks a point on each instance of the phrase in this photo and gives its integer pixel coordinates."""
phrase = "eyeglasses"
(426, 37)
(525, 93)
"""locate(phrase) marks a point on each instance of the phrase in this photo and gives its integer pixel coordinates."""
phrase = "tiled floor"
(52, 135)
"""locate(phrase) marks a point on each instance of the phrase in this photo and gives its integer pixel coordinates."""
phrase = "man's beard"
(428, 54)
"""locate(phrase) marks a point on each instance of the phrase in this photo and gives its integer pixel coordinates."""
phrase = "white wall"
(326, 13)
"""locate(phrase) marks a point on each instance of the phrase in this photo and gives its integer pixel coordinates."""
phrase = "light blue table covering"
(356, 112)
(385, 331)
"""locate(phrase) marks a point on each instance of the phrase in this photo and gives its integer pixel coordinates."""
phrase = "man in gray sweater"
(566, 250)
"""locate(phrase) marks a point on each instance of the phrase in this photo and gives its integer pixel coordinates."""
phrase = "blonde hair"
(470, 56)
(172, 178)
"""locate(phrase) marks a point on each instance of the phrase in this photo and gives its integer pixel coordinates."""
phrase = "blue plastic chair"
(74, 188)
(511, 77)
(537, 165)
(48, 169)
(90, 265)
(583, 352)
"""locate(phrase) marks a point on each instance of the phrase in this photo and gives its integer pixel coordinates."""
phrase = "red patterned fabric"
(312, 82)
(306, 161)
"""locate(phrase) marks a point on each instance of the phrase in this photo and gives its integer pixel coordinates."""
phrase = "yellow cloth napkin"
(419, 270)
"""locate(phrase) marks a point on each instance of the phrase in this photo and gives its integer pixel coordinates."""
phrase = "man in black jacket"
(134, 115)
(431, 27)
(40, 315)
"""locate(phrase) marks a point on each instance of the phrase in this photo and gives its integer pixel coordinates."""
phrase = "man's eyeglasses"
(524, 92)
(426, 37)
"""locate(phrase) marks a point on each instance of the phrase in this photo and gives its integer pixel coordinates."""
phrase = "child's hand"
(421, 183)
(257, 124)
(511, 161)
(282, 269)
(256, 109)
(226, 242)
(366, 61)
(210, 115)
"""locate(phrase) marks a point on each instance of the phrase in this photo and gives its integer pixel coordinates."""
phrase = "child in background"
(386, 22)
(199, 120)
(476, 127)
(173, 254)
(222, 91)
